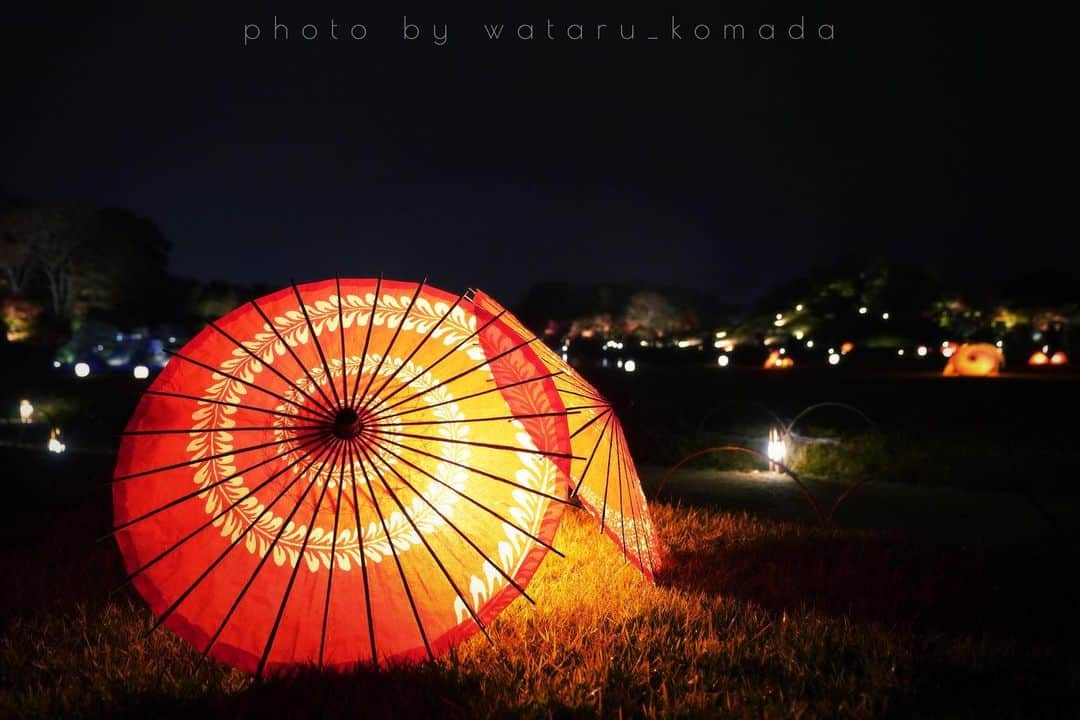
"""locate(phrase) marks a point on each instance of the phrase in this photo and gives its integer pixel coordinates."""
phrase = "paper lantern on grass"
(778, 361)
(1038, 358)
(1059, 358)
(602, 474)
(975, 360)
(334, 474)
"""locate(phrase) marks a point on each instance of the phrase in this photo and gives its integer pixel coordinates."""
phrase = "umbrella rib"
(318, 345)
(431, 551)
(218, 456)
(560, 413)
(622, 513)
(333, 546)
(590, 422)
(341, 332)
(433, 365)
(363, 560)
(292, 353)
(317, 413)
(362, 402)
(201, 490)
(240, 428)
(460, 375)
(427, 336)
(393, 551)
(269, 366)
(299, 561)
(135, 573)
(581, 394)
(367, 339)
(270, 550)
(586, 390)
(182, 396)
(588, 464)
(469, 498)
(638, 513)
(607, 480)
(463, 398)
(588, 407)
(478, 471)
(489, 446)
(191, 588)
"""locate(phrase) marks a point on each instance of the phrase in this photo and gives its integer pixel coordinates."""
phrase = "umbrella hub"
(347, 424)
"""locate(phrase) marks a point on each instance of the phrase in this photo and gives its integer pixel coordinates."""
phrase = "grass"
(751, 619)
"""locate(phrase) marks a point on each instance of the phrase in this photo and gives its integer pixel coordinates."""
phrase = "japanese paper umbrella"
(337, 474)
(603, 476)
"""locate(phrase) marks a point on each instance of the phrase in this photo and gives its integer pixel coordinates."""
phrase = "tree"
(16, 250)
(650, 313)
(56, 234)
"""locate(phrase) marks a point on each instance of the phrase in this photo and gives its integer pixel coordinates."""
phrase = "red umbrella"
(338, 473)
(602, 475)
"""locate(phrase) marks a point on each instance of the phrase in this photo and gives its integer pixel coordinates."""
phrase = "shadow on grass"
(425, 690)
(1026, 591)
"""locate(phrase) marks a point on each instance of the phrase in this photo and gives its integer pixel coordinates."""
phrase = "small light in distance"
(56, 363)
(82, 370)
(834, 359)
(884, 316)
(630, 366)
(863, 310)
(141, 372)
(810, 344)
(26, 411)
(54, 445)
(723, 361)
(921, 351)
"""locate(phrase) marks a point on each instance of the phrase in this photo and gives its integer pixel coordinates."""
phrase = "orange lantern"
(602, 474)
(1059, 358)
(846, 347)
(975, 360)
(338, 473)
(777, 361)
(1038, 358)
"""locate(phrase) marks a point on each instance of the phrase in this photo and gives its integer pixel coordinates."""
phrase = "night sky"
(719, 165)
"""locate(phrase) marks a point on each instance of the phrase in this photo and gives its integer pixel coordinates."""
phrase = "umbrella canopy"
(602, 473)
(338, 473)
(974, 359)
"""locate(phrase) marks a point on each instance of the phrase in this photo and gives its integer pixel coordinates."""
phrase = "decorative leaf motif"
(267, 347)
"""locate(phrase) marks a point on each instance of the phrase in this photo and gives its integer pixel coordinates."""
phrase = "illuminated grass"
(753, 619)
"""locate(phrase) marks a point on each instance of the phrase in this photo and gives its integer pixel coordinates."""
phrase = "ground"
(966, 611)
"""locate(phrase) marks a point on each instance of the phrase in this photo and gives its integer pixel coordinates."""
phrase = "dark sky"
(918, 133)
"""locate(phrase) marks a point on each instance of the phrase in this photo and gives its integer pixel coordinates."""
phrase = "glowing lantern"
(834, 359)
(140, 372)
(948, 349)
(344, 472)
(1038, 358)
(776, 449)
(55, 445)
(82, 370)
(602, 473)
(778, 360)
(723, 360)
(976, 360)
(26, 411)
(846, 347)
(1059, 358)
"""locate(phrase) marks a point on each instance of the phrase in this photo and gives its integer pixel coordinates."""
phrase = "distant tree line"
(60, 266)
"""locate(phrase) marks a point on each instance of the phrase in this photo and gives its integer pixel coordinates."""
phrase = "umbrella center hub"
(347, 424)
